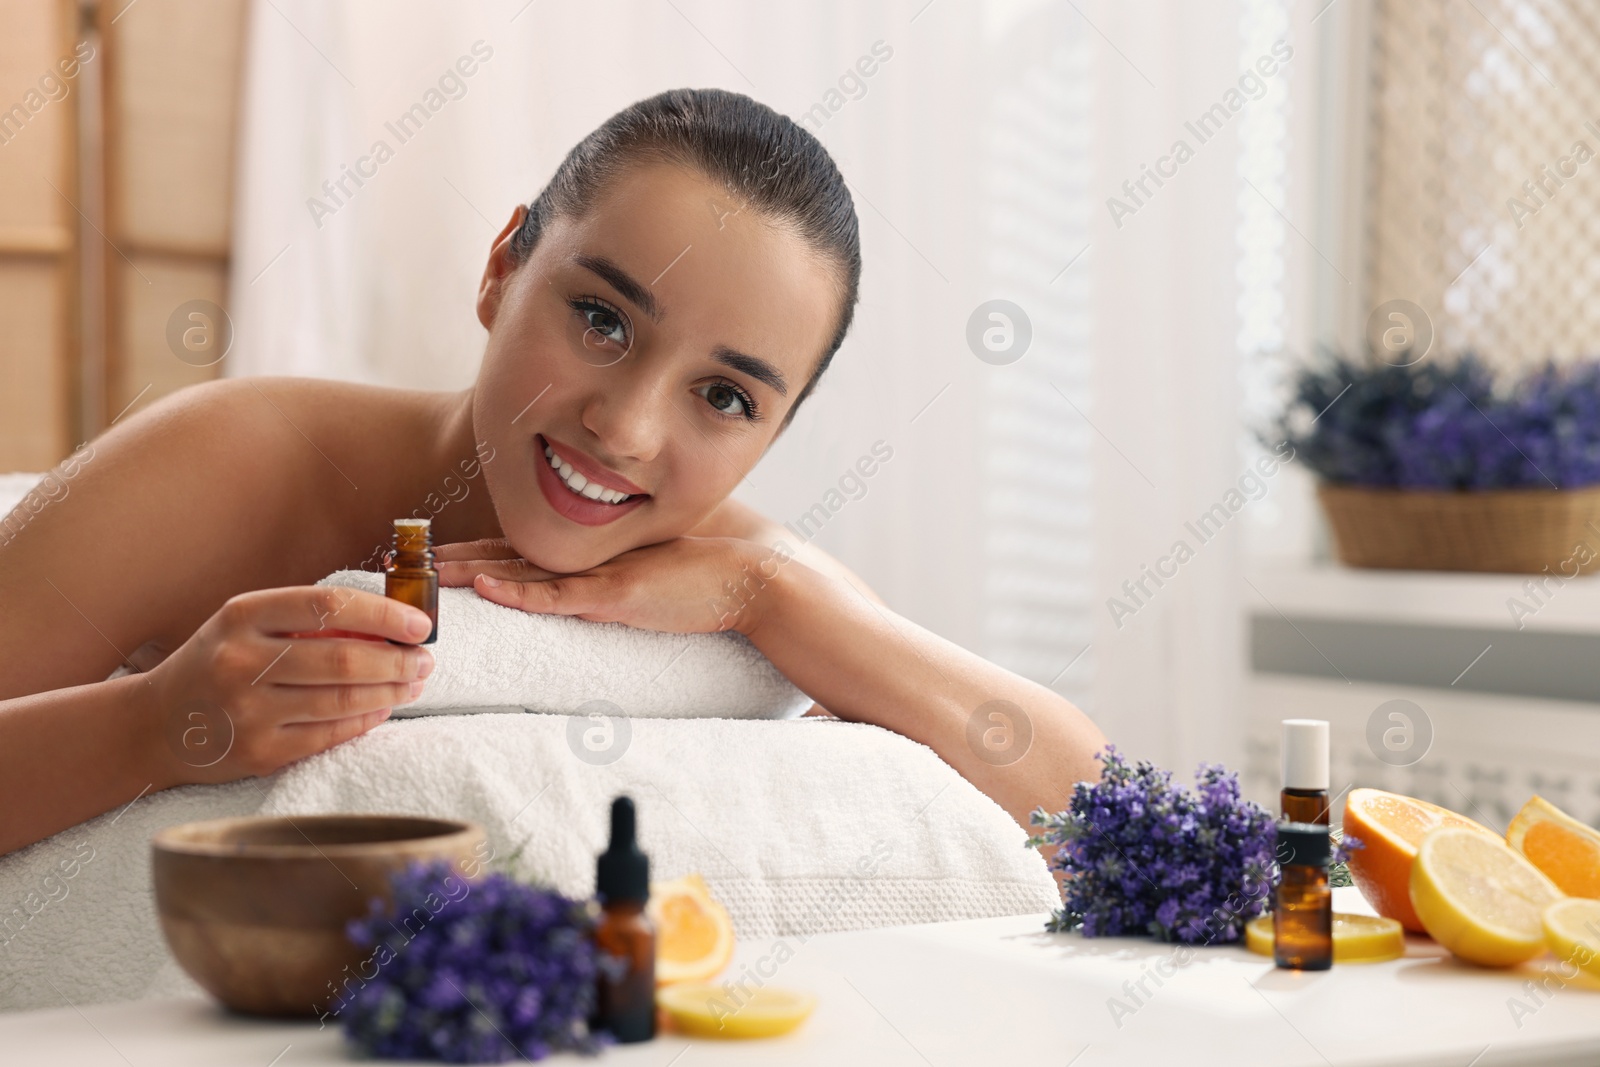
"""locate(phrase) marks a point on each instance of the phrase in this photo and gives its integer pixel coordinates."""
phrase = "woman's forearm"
(67, 755)
(1021, 744)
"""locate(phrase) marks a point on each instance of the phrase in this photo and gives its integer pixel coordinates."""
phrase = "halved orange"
(694, 935)
(1566, 850)
(1391, 827)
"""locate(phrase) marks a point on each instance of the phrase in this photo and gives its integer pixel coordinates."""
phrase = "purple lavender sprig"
(472, 971)
(1339, 864)
(1146, 857)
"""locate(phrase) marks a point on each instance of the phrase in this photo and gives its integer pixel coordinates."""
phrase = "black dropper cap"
(1303, 844)
(623, 873)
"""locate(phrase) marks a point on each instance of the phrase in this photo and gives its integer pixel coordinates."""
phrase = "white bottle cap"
(1305, 754)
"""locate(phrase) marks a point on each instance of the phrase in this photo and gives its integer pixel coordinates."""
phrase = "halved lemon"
(1391, 826)
(1566, 850)
(704, 1010)
(1572, 930)
(694, 935)
(1356, 938)
(1479, 897)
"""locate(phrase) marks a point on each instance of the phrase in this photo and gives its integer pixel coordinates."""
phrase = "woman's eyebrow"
(636, 294)
(757, 368)
(642, 298)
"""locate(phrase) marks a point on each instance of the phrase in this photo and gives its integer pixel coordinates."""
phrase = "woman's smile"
(579, 488)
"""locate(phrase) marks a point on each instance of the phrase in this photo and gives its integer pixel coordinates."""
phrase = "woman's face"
(651, 350)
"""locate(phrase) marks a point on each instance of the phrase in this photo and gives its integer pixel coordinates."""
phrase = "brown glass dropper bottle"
(626, 1004)
(410, 576)
(1302, 913)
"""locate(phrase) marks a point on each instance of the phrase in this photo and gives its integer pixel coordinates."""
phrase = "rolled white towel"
(488, 657)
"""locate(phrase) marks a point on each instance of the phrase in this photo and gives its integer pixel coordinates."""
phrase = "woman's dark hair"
(765, 159)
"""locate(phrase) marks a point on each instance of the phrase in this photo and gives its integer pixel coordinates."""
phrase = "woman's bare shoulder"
(155, 523)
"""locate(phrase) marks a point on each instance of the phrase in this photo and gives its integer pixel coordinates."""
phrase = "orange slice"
(1479, 898)
(694, 935)
(1562, 847)
(1391, 827)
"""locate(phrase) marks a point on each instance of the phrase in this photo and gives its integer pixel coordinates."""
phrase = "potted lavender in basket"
(1442, 466)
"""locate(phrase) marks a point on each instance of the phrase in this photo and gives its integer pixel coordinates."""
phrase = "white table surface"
(986, 991)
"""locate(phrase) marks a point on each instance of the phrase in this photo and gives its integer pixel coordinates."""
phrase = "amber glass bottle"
(1305, 771)
(410, 576)
(626, 1004)
(1302, 916)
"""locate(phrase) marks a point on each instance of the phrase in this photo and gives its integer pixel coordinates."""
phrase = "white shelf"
(1425, 597)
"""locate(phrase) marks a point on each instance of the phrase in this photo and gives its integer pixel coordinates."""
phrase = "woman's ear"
(501, 263)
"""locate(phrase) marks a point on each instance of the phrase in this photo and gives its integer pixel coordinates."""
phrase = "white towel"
(488, 655)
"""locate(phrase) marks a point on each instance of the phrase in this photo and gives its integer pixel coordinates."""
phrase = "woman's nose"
(628, 411)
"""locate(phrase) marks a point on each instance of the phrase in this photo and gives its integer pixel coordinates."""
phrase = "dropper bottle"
(411, 577)
(626, 1001)
(1302, 913)
(1305, 771)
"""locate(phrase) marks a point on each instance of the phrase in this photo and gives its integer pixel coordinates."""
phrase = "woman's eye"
(727, 399)
(602, 322)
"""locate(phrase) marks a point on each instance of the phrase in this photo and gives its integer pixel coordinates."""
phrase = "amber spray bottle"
(1302, 914)
(626, 1004)
(1305, 771)
(410, 576)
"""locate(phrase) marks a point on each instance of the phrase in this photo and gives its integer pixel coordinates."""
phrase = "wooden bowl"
(254, 909)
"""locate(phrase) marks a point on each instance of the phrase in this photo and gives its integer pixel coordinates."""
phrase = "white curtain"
(981, 153)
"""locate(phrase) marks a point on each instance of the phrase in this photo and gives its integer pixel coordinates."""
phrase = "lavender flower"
(1147, 857)
(1339, 863)
(1436, 425)
(472, 972)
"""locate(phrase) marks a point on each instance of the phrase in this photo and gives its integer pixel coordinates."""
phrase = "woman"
(655, 318)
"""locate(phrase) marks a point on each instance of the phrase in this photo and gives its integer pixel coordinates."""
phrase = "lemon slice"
(704, 1010)
(1356, 938)
(1479, 897)
(1572, 930)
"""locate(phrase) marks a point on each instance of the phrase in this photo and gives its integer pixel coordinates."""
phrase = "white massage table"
(991, 992)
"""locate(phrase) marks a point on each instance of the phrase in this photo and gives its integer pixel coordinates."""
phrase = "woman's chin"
(559, 555)
(554, 543)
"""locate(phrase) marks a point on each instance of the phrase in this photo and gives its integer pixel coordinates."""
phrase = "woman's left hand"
(686, 585)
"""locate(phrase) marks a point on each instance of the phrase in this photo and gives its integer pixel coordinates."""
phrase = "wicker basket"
(1519, 531)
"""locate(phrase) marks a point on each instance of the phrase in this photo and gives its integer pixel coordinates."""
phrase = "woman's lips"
(590, 469)
(580, 509)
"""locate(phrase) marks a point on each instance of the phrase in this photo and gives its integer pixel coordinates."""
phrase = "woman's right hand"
(249, 692)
